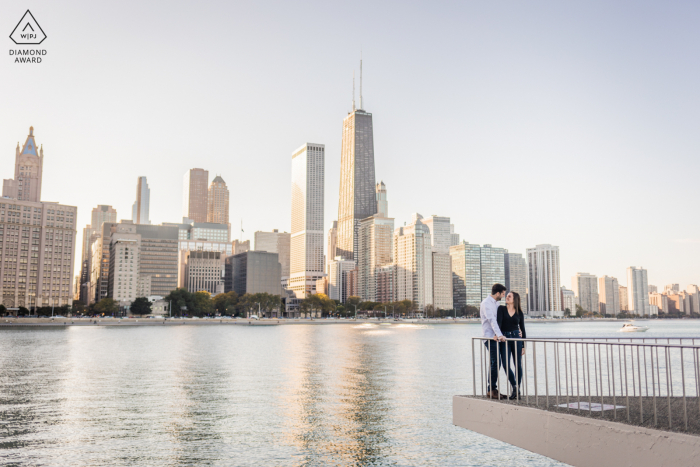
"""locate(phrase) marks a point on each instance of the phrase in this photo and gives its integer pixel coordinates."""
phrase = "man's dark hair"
(497, 288)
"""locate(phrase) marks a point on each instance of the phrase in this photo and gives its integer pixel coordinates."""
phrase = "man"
(489, 329)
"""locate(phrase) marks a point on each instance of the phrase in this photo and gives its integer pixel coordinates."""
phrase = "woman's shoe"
(514, 396)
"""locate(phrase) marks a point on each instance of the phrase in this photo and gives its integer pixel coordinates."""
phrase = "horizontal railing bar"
(642, 344)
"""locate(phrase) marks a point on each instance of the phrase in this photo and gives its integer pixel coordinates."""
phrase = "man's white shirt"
(488, 312)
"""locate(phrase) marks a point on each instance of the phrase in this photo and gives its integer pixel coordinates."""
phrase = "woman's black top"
(507, 323)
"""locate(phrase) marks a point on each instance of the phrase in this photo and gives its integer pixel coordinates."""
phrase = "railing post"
(685, 404)
(473, 369)
(534, 365)
(546, 375)
(667, 361)
(627, 391)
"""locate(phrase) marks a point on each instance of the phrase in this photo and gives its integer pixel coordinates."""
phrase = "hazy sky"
(574, 124)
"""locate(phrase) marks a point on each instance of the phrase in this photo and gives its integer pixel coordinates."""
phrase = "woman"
(511, 322)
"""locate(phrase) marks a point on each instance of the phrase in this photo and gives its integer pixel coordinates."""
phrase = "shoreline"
(54, 322)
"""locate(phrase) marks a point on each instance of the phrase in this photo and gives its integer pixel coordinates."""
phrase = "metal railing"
(634, 380)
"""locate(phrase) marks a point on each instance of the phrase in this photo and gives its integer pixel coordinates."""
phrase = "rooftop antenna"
(353, 91)
(360, 80)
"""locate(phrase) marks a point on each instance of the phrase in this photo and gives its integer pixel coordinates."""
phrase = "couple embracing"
(498, 323)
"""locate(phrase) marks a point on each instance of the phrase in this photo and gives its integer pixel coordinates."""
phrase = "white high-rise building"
(516, 276)
(568, 300)
(375, 238)
(694, 291)
(139, 210)
(585, 286)
(638, 291)
(609, 295)
(124, 263)
(440, 233)
(306, 255)
(413, 259)
(672, 289)
(544, 284)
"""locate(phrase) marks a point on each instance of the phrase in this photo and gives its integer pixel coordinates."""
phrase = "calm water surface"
(227, 395)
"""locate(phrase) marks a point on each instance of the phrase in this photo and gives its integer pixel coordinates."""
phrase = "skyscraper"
(466, 275)
(29, 166)
(609, 295)
(516, 276)
(624, 306)
(544, 284)
(413, 259)
(357, 183)
(139, 211)
(375, 250)
(306, 255)
(37, 239)
(585, 286)
(638, 291)
(195, 194)
(217, 202)
(440, 233)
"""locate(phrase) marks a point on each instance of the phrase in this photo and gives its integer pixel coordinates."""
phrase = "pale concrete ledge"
(575, 440)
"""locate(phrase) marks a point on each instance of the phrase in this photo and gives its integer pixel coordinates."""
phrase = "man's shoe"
(495, 395)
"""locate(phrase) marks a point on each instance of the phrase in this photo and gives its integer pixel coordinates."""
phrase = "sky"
(569, 123)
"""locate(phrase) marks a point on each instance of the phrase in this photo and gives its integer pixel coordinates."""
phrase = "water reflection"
(229, 395)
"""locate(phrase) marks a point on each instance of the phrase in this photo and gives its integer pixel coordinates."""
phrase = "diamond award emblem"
(28, 31)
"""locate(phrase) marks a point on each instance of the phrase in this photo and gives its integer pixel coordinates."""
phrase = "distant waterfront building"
(442, 281)
(124, 259)
(341, 279)
(492, 268)
(694, 291)
(672, 289)
(204, 271)
(454, 237)
(158, 265)
(306, 256)
(660, 301)
(37, 239)
(624, 305)
(253, 272)
(544, 293)
(585, 286)
(653, 288)
(374, 247)
(609, 295)
(100, 214)
(332, 242)
(568, 300)
(516, 276)
(357, 180)
(275, 242)
(638, 291)
(413, 260)
(440, 233)
(686, 305)
(37, 251)
(195, 194)
(29, 168)
(385, 278)
(466, 275)
(217, 202)
(140, 208)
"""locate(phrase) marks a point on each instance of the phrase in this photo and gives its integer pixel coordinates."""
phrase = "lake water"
(293, 395)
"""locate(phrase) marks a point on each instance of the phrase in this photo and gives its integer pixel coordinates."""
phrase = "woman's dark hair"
(516, 302)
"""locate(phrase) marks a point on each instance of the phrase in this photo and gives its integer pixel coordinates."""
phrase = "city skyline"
(621, 136)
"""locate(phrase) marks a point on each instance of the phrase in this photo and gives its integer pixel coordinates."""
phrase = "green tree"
(23, 311)
(182, 302)
(580, 312)
(204, 306)
(317, 303)
(141, 306)
(225, 303)
(351, 303)
(3, 310)
(567, 312)
(108, 306)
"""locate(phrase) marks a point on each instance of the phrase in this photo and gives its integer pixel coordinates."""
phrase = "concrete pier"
(573, 439)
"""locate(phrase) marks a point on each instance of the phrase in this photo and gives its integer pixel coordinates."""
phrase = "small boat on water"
(630, 327)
